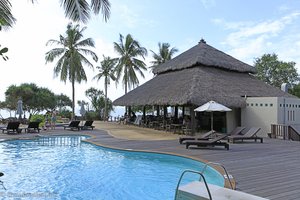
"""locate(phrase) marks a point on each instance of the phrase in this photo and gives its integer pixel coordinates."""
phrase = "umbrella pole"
(212, 121)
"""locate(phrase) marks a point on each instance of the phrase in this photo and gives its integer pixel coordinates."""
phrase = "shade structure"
(211, 107)
(19, 108)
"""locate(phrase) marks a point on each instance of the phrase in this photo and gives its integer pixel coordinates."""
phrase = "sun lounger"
(73, 125)
(249, 135)
(209, 143)
(33, 127)
(12, 127)
(87, 125)
(204, 136)
(237, 131)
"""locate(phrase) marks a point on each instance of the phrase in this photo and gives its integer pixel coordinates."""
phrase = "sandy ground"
(132, 132)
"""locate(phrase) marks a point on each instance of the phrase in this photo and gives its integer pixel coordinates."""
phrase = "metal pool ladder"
(1, 182)
(195, 172)
(203, 178)
(222, 166)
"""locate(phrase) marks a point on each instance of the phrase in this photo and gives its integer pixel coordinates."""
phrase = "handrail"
(220, 165)
(285, 132)
(1, 182)
(294, 133)
(196, 172)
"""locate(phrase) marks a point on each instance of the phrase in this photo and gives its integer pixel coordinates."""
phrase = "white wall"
(260, 112)
(232, 119)
(288, 111)
(264, 111)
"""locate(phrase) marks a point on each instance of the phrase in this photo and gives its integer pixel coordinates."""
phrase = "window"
(271, 105)
(266, 105)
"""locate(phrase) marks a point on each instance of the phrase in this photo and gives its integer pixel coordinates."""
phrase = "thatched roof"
(204, 55)
(198, 85)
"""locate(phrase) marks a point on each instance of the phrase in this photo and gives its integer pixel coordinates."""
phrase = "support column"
(144, 113)
(157, 110)
(176, 112)
(165, 112)
(193, 119)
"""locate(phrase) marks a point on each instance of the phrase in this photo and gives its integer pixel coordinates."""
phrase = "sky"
(243, 29)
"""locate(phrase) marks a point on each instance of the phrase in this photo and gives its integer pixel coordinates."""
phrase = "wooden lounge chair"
(12, 127)
(208, 143)
(237, 131)
(33, 127)
(73, 125)
(204, 136)
(249, 135)
(88, 125)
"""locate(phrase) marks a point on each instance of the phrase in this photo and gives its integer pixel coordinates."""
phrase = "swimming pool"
(63, 167)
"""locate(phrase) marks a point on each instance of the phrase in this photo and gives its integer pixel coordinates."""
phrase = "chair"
(12, 127)
(249, 135)
(237, 131)
(88, 125)
(73, 125)
(204, 136)
(210, 142)
(33, 127)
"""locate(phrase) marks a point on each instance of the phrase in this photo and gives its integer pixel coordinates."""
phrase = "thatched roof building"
(197, 76)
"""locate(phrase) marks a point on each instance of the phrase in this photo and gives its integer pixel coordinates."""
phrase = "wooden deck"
(270, 169)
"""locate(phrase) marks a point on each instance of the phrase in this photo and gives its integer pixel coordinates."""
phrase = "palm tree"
(80, 10)
(128, 62)
(70, 57)
(164, 54)
(76, 10)
(106, 70)
(6, 18)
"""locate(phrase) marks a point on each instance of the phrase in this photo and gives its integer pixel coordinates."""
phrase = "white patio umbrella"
(19, 108)
(82, 110)
(211, 107)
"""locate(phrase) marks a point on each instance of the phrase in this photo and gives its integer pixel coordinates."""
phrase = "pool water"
(65, 168)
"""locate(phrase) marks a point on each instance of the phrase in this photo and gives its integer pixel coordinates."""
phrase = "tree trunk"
(126, 80)
(105, 105)
(73, 99)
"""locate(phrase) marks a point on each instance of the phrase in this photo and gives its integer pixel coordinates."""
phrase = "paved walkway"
(270, 170)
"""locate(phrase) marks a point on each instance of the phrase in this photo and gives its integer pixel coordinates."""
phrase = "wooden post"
(193, 119)
(144, 113)
(165, 112)
(176, 112)
(157, 110)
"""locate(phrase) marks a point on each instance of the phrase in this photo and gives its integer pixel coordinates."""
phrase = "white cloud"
(249, 40)
(208, 3)
(129, 17)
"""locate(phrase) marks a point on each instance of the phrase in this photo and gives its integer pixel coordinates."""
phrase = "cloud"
(248, 40)
(208, 3)
(129, 17)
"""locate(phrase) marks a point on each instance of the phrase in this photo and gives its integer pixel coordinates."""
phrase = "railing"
(294, 132)
(226, 175)
(285, 132)
(201, 176)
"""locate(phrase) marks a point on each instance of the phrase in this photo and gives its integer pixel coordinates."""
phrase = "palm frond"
(103, 5)
(76, 10)
(53, 54)
(7, 19)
